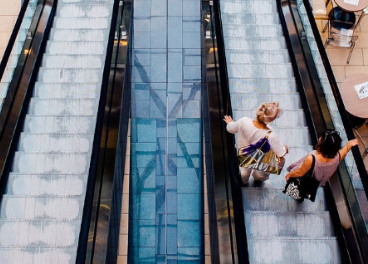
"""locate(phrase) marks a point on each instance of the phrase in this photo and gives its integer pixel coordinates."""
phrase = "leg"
(245, 174)
(260, 175)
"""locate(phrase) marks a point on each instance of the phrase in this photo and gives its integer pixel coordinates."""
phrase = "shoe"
(257, 183)
(244, 184)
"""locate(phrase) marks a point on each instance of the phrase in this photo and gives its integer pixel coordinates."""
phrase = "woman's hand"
(352, 143)
(287, 177)
(228, 119)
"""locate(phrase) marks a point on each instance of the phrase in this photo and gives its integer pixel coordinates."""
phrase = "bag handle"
(266, 137)
(313, 163)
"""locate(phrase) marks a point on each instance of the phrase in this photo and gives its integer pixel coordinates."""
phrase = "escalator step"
(288, 224)
(46, 184)
(41, 232)
(41, 208)
(294, 250)
(260, 199)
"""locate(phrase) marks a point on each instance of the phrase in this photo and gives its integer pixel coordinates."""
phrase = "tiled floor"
(358, 62)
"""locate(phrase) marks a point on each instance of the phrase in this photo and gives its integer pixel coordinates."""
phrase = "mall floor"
(358, 63)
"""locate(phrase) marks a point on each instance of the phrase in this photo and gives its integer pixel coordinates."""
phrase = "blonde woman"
(250, 131)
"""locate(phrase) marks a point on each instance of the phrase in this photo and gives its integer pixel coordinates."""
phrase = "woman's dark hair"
(329, 143)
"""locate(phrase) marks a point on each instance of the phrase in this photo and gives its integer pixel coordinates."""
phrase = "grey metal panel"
(262, 85)
(53, 90)
(42, 208)
(48, 233)
(256, 199)
(36, 255)
(288, 224)
(47, 184)
(294, 250)
(78, 35)
(73, 61)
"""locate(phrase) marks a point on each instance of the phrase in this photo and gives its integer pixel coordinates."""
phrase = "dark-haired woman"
(327, 157)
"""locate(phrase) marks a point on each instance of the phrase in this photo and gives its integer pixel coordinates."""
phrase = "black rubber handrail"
(13, 37)
(223, 184)
(99, 236)
(351, 222)
(22, 86)
(21, 64)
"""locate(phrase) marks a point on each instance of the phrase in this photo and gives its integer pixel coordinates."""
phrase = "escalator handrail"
(337, 95)
(305, 69)
(18, 71)
(91, 230)
(20, 99)
(12, 38)
(240, 247)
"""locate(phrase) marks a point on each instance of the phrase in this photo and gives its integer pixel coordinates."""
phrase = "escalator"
(264, 63)
(61, 99)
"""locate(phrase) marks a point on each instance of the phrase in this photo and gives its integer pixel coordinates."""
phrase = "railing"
(99, 237)
(352, 232)
(21, 87)
(13, 37)
(225, 208)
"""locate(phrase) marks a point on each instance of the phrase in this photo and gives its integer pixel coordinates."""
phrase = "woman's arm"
(231, 125)
(347, 148)
(277, 146)
(307, 164)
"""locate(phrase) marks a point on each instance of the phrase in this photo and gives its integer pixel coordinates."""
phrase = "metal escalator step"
(255, 43)
(260, 199)
(282, 70)
(85, 61)
(293, 250)
(81, 23)
(246, 18)
(62, 107)
(39, 232)
(59, 124)
(66, 35)
(92, 10)
(69, 75)
(74, 163)
(50, 142)
(267, 57)
(282, 85)
(41, 208)
(288, 224)
(62, 91)
(75, 47)
(46, 184)
(252, 31)
(37, 254)
(256, 7)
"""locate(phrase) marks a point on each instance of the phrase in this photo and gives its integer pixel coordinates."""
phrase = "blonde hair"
(268, 112)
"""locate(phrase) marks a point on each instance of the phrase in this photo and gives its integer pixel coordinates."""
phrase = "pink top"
(322, 170)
